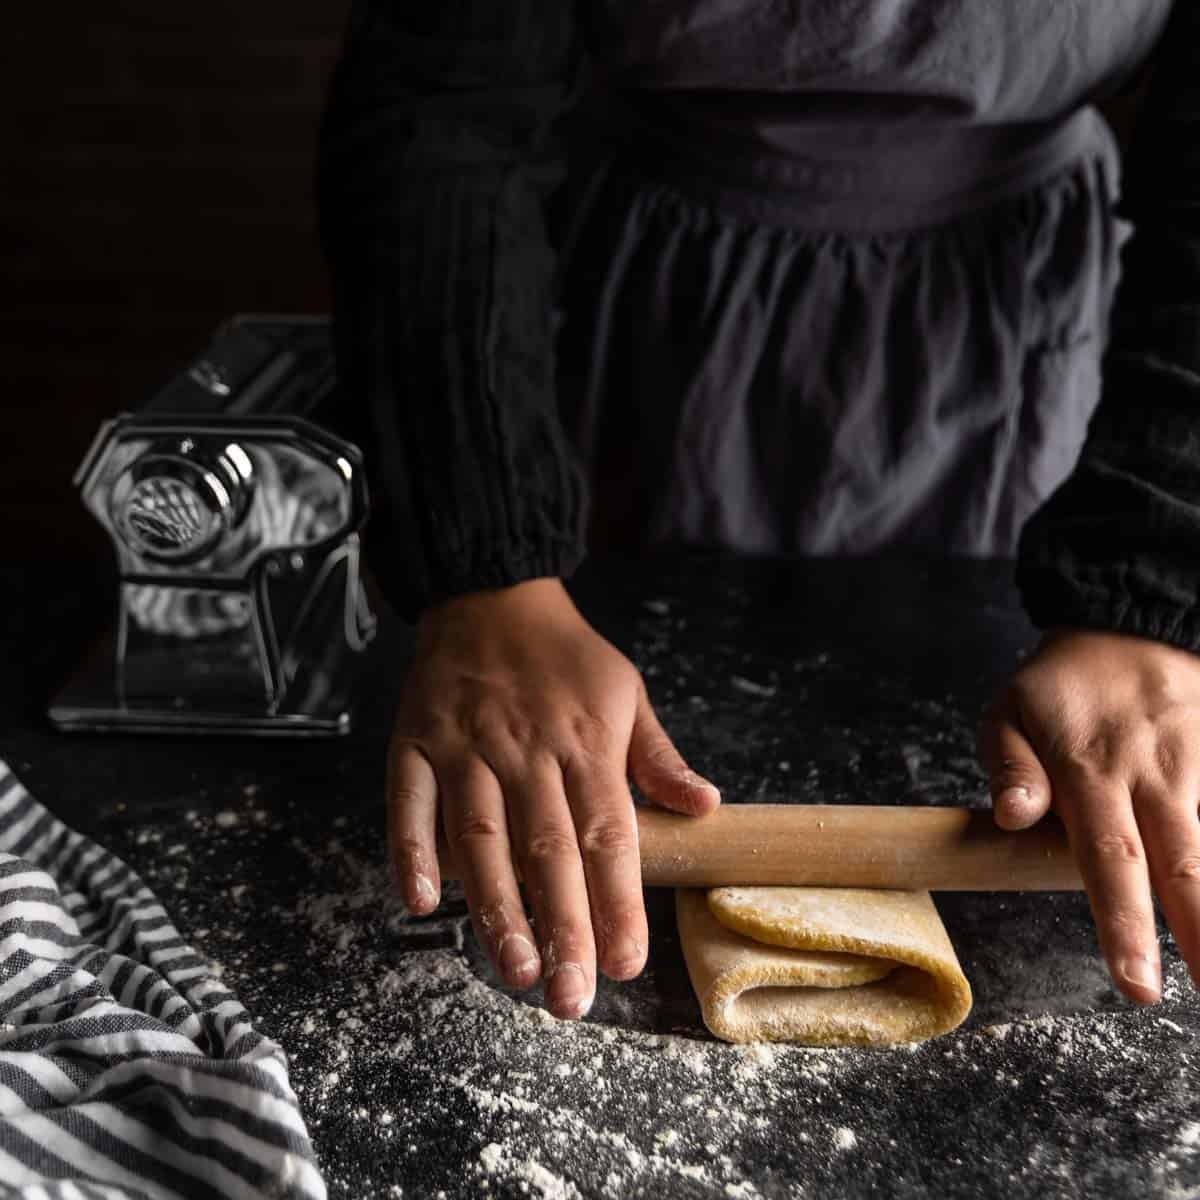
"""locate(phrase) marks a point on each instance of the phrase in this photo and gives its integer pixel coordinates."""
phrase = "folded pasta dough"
(823, 966)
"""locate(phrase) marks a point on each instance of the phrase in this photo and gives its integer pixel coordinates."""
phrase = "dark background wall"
(157, 177)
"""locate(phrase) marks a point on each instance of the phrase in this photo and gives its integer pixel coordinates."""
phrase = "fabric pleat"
(772, 388)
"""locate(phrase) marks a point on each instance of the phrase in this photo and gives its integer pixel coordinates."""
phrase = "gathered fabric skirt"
(778, 353)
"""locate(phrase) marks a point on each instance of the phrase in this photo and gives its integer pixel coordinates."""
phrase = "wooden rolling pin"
(836, 845)
(818, 845)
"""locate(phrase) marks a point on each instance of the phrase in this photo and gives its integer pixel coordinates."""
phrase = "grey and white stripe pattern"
(127, 1070)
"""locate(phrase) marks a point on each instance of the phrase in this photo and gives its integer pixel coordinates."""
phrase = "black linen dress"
(817, 277)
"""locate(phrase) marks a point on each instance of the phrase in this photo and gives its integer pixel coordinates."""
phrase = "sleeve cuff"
(1095, 600)
(410, 591)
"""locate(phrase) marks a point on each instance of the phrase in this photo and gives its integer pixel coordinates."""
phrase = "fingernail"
(567, 993)
(625, 953)
(1015, 801)
(1018, 795)
(1014, 805)
(692, 780)
(1142, 972)
(518, 958)
(421, 892)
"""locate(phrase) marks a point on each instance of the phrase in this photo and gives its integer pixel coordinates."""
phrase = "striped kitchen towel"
(127, 1070)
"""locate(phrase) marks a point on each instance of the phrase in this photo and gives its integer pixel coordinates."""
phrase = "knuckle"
(1077, 766)
(548, 843)
(606, 838)
(662, 755)
(1088, 746)
(406, 752)
(504, 731)
(1115, 848)
(590, 730)
(483, 724)
(590, 763)
(404, 796)
(521, 729)
(1159, 685)
(1169, 756)
(1089, 754)
(473, 827)
(1185, 868)
(436, 726)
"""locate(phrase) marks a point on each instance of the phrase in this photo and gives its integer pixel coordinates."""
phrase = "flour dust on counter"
(419, 1075)
(739, 711)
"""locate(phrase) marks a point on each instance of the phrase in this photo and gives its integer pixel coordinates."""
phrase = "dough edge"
(758, 972)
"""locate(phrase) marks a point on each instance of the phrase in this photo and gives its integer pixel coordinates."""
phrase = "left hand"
(1104, 728)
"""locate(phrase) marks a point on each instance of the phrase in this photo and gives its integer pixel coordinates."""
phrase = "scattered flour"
(750, 688)
(418, 1075)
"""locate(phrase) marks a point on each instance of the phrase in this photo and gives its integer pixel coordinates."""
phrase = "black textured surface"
(833, 681)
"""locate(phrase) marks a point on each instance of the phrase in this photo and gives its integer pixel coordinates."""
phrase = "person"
(781, 278)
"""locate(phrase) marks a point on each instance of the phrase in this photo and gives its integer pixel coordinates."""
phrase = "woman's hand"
(521, 724)
(1105, 729)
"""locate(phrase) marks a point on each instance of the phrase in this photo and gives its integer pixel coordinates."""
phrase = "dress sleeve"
(437, 157)
(1117, 546)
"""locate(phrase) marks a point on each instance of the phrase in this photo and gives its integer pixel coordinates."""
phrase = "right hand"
(521, 724)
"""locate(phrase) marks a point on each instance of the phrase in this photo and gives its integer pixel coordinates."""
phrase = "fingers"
(531, 721)
(476, 829)
(659, 770)
(1104, 835)
(608, 840)
(412, 828)
(543, 834)
(1171, 834)
(1018, 784)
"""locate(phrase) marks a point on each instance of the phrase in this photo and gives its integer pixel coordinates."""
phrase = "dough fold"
(822, 966)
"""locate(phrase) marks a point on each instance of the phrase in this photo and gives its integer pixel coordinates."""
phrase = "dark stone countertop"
(802, 681)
